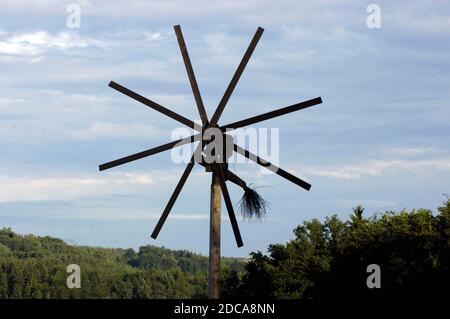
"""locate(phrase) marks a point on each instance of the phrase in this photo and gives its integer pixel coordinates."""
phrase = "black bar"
(269, 308)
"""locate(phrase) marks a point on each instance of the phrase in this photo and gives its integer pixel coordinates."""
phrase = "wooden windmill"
(210, 132)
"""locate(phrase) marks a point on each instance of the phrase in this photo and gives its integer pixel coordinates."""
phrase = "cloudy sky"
(380, 138)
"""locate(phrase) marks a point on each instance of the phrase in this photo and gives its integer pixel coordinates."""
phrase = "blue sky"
(380, 139)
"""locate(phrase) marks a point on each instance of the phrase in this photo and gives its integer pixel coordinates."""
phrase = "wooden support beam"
(214, 276)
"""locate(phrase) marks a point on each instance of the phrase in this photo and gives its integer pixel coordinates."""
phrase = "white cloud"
(295, 57)
(36, 43)
(16, 188)
(18, 49)
(110, 130)
(137, 214)
(41, 186)
(80, 116)
(217, 42)
(375, 168)
(132, 214)
(411, 151)
(86, 71)
(421, 22)
(153, 36)
(148, 215)
(224, 49)
(7, 100)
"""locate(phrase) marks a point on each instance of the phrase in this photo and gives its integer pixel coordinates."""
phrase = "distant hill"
(35, 267)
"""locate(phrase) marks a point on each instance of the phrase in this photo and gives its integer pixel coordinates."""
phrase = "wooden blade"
(191, 75)
(236, 76)
(155, 106)
(273, 114)
(149, 152)
(229, 204)
(174, 196)
(272, 167)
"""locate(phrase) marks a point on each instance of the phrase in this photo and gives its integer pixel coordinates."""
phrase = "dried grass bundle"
(252, 205)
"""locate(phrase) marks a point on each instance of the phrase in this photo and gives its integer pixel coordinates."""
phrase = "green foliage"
(35, 267)
(326, 259)
(329, 259)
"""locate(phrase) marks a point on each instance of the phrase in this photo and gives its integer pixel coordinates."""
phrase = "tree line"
(35, 267)
(329, 259)
(325, 259)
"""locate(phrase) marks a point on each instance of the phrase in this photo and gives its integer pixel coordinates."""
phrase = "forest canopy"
(35, 267)
(325, 259)
(329, 259)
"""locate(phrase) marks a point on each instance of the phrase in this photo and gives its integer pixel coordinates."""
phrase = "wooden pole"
(214, 239)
